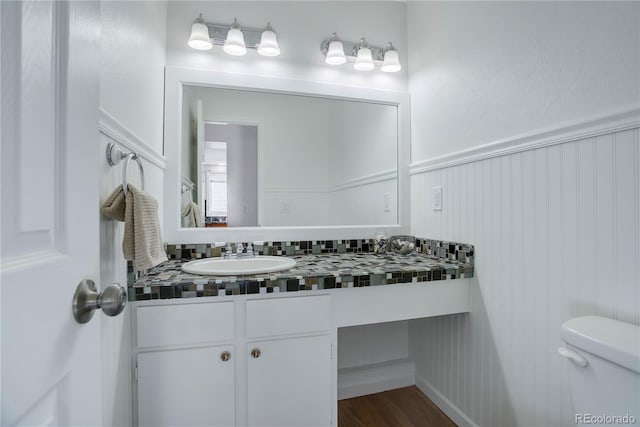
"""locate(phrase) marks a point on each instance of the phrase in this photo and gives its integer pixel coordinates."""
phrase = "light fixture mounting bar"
(351, 51)
(218, 34)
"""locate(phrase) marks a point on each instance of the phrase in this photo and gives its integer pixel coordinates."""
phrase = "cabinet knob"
(225, 356)
(255, 353)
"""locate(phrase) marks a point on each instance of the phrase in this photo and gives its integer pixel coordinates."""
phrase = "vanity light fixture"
(268, 42)
(364, 56)
(364, 59)
(391, 63)
(200, 35)
(234, 43)
(235, 40)
(335, 51)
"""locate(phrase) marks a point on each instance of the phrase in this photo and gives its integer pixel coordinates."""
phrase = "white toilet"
(604, 370)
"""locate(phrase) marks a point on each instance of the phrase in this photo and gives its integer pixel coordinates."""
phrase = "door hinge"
(135, 374)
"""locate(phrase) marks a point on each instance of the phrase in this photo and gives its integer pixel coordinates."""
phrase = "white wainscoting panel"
(116, 334)
(556, 233)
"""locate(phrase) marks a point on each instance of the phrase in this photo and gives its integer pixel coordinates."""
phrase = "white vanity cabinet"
(187, 387)
(256, 362)
(185, 364)
(289, 382)
(290, 363)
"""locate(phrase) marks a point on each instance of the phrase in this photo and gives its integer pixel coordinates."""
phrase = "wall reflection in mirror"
(267, 159)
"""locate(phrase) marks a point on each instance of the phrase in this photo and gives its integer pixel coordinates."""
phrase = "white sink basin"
(238, 266)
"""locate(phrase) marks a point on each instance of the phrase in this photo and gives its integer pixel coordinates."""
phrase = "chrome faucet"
(241, 251)
(228, 251)
(244, 252)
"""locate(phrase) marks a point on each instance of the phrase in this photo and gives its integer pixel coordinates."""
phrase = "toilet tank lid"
(610, 339)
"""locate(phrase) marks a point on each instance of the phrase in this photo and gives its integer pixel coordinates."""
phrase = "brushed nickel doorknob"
(87, 299)
(255, 353)
(225, 356)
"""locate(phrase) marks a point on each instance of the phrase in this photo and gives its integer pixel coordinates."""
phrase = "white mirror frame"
(176, 78)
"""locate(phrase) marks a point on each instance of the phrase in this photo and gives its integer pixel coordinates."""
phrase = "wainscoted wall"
(530, 138)
(555, 223)
(365, 201)
(131, 99)
(373, 201)
(116, 336)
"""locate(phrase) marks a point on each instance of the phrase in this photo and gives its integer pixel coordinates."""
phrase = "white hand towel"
(142, 242)
(191, 216)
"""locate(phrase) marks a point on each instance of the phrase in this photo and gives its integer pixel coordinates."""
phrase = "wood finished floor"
(403, 407)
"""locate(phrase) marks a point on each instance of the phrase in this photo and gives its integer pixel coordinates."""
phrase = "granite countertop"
(312, 272)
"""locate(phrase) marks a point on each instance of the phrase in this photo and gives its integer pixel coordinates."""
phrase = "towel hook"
(115, 156)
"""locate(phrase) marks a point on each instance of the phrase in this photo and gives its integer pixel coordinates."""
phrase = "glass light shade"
(234, 44)
(335, 54)
(391, 62)
(268, 43)
(364, 60)
(200, 37)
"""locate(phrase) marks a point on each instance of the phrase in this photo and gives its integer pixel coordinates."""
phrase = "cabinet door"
(290, 382)
(193, 387)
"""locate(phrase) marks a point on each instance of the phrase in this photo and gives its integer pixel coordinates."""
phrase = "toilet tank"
(604, 370)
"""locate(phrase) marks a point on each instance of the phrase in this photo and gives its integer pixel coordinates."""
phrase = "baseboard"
(369, 379)
(452, 411)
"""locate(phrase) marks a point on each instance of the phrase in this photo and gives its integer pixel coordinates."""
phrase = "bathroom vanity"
(244, 361)
(262, 349)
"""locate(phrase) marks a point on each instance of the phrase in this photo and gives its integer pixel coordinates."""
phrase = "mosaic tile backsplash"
(437, 248)
(319, 265)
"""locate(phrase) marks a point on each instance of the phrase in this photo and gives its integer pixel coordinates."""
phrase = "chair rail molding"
(386, 175)
(611, 122)
(114, 129)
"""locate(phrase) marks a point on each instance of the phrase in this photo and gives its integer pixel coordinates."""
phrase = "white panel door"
(290, 382)
(192, 387)
(50, 363)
